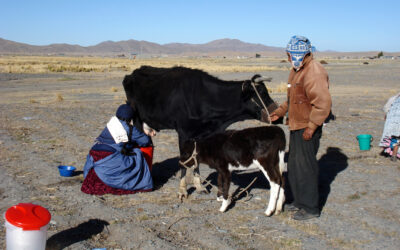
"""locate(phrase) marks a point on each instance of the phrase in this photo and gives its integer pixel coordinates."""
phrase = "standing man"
(309, 103)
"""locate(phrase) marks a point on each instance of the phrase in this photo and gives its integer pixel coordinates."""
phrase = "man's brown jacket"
(309, 101)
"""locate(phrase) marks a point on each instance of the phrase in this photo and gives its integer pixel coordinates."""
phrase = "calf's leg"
(281, 200)
(226, 182)
(219, 194)
(273, 197)
(281, 196)
(275, 187)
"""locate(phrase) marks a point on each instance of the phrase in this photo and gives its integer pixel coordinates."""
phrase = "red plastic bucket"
(148, 155)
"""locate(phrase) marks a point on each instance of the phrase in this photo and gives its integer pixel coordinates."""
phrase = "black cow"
(194, 103)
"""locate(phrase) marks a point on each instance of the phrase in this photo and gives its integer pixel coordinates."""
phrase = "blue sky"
(330, 25)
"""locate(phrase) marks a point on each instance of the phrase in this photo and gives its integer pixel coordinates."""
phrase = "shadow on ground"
(163, 171)
(330, 164)
(79, 233)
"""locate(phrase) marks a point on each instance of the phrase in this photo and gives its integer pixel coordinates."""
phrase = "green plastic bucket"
(364, 141)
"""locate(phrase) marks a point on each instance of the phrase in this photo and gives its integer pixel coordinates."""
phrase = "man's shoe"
(290, 207)
(303, 215)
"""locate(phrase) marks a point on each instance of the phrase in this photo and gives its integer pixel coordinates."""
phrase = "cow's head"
(259, 96)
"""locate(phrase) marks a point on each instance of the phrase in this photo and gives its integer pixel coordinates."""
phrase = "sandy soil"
(48, 120)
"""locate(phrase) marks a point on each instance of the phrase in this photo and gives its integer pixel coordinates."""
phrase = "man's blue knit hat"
(298, 47)
(124, 112)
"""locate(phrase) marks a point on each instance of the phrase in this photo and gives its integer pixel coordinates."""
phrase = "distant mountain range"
(229, 46)
(221, 47)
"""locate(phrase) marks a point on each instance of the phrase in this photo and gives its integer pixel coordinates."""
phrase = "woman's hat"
(124, 112)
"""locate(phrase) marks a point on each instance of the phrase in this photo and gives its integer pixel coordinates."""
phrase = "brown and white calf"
(260, 148)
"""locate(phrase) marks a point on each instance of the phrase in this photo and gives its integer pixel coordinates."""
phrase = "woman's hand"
(148, 131)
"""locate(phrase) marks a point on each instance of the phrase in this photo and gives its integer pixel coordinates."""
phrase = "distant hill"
(229, 46)
(221, 47)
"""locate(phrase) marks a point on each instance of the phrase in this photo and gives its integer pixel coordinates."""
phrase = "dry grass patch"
(355, 196)
(59, 97)
(45, 64)
(280, 88)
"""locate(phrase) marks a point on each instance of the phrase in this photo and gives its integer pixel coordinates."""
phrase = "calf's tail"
(282, 165)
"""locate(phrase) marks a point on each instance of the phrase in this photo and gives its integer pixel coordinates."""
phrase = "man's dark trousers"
(303, 170)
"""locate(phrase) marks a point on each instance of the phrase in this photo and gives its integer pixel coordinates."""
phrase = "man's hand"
(273, 117)
(307, 134)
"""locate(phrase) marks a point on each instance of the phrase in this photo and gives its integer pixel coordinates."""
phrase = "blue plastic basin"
(66, 171)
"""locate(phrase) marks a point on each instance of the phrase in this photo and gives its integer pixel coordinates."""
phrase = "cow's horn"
(262, 79)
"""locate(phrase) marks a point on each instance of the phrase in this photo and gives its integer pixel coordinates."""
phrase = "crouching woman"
(116, 164)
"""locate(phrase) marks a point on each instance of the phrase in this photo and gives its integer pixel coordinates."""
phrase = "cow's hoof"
(182, 195)
(268, 213)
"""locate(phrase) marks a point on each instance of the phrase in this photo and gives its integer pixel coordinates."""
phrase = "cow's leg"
(197, 181)
(226, 179)
(182, 193)
(183, 182)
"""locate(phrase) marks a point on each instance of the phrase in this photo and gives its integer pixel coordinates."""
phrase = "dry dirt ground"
(52, 119)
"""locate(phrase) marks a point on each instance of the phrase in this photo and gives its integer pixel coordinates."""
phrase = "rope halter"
(192, 157)
(260, 79)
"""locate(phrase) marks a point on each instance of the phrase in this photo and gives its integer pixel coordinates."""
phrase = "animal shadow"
(242, 180)
(330, 164)
(79, 233)
(163, 171)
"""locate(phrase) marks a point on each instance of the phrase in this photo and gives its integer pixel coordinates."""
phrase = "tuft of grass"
(59, 97)
(114, 89)
(354, 196)
(323, 62)
(144, 217)
(33, 101)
